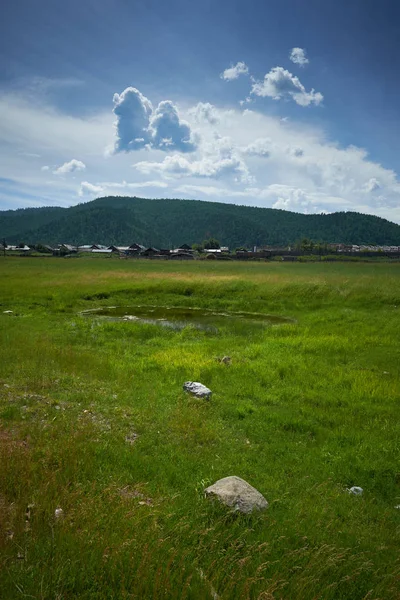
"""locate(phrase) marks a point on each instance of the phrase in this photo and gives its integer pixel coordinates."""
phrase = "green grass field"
(304, 411)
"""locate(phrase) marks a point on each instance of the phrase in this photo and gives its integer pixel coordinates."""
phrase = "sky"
(289, 104)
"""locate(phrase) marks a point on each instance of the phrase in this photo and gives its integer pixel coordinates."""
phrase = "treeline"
(169, 223)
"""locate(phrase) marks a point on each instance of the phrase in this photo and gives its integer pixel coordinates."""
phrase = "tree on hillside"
(211, 243)
(306, 245)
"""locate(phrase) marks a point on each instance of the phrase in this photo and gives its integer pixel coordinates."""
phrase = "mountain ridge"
(170, 222)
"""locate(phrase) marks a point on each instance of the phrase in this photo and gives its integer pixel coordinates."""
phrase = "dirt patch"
(10, 440)
(134, 494)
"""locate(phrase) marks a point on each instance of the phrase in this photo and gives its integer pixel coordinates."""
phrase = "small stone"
(8, 312)
(58, 513)
(237, 494)
(226, 360)
(397, 506)
(131, 438)
(197, 389)
(355, 490)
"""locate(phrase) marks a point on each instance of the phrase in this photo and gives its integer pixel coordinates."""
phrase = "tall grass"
(93, 420)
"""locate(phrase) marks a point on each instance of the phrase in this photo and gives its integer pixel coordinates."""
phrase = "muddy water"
(178, 318)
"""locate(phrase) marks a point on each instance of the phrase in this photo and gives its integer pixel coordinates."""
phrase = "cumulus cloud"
(70, 167)
(133, 111)
(168, 131)
(260, 147)
(280, 83)
(234, 72)
(296, 151)
(204, 112)
(298, 57)
(179, 166)
(139, 126)
(372, 185)
(89, 188)
(219, 159)
(293, 199)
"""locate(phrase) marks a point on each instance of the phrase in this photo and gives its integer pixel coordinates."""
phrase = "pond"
(180, 317)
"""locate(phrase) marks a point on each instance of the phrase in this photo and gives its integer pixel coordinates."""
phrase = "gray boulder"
(355, 490)
(237, 494)
(197, 389)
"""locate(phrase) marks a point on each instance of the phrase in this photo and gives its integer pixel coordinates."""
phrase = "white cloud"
(209, 190)
(296, 151)
(204, 112)
(30, 154)
(133, 111)
(37, 127)
(234, 72)
(139, 126)
(110, 188)
(45, 168)
(280, 83)
(260, 147)
(295, 200)
(90, 188)
(219, 158)
(372, 185)
(247, 100)
(179, 166)
(70, 167)
(169, 131)
(298, 57)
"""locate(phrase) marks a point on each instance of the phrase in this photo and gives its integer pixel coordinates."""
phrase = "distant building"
(150, 251)
(18, 248)
(181, 256)
(88, 247)
(136, 248)
(119, 249)
(67, 248)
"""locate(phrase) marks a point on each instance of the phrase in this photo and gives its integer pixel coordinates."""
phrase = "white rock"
(197, 389)
(237, 494)
(131, 438)
(357, 491)
(58, 513)
(7, 312)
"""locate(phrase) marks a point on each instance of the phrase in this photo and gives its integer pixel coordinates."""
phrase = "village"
(196, 251)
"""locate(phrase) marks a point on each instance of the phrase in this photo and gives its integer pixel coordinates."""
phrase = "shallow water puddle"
(180, 317)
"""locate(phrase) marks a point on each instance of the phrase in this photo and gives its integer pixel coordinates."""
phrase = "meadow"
(93, 420)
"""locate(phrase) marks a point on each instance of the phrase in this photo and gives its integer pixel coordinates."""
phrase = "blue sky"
(207, 100)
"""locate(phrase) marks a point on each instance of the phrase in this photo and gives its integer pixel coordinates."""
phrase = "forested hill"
(165, 223)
